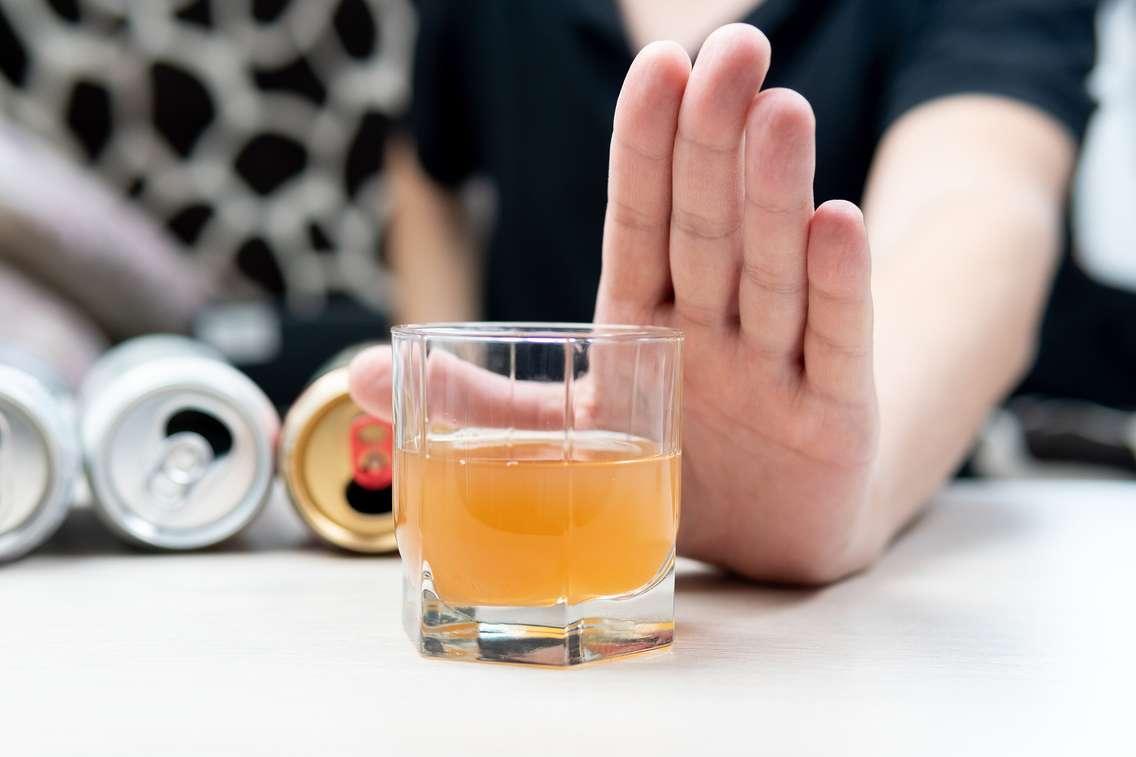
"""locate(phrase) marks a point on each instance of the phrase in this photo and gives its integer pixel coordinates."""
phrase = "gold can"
(336, 462)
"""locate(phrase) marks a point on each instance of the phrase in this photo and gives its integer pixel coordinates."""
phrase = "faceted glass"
(537, 488)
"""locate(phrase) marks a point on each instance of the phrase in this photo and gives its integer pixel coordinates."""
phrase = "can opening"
(212, 430)
(368, 501)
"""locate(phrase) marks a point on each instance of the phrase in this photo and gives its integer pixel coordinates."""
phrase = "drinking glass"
(537, 475)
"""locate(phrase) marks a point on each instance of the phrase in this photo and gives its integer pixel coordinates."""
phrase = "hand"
(711, 228)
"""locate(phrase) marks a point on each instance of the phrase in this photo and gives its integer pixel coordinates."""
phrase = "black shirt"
(524, 93)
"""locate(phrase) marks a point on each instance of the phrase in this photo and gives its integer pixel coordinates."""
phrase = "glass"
(537, 471)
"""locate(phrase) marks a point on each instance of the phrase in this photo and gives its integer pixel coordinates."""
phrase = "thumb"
(369, 379)
(458, 392)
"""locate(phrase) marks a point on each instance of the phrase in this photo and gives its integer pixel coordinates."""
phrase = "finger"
(458, 392)
(369, 378)
(779, 163)
(636, 272)
(838, 334)
(705, 244)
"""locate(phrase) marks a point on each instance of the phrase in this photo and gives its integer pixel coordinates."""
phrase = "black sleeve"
(440, 119)
(1037, 51)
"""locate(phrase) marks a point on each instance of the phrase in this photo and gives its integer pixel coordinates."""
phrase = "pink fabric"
(78, 240)
(38, 322)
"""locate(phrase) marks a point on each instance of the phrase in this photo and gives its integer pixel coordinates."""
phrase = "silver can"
(39, 453)
(179, 445)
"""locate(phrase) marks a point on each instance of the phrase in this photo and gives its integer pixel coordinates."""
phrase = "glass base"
(556, 635)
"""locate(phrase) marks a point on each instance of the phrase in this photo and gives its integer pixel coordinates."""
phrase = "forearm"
(955, 328)
(63, 228)
(433, 250)
(47, 326)
(961, 275)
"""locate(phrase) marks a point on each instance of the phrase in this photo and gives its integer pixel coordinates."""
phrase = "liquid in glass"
(507, 521)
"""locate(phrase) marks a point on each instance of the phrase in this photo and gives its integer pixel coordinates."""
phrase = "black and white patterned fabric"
(250, 129)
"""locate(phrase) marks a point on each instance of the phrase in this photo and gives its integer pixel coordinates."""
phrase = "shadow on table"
(717, 610)
(706, 595)
(962, 521)
(707, 579)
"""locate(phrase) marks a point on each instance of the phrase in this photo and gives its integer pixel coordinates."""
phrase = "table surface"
(1002, 622)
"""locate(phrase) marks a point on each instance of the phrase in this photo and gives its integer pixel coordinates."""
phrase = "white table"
(1002, 623)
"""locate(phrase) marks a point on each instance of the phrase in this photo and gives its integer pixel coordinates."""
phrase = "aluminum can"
(179, 445)
(336, 462)
(39, 453)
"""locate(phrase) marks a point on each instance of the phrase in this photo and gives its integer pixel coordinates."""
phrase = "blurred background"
(207, 166)
(216, 167)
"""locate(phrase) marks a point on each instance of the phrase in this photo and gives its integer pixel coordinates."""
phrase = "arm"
(63, 229)
(964, 210)
(804, 453)
(432, 247)
(45, 325)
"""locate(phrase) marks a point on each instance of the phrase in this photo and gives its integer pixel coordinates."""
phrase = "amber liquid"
(512, 522)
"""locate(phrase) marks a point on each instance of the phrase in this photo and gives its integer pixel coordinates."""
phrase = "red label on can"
(371, 451)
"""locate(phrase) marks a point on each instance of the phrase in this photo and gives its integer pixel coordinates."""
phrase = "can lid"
(138, 351)
(336, 462)
(39, 463)
(180, 451)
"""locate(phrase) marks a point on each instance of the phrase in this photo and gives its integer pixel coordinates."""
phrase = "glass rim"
(537, 331)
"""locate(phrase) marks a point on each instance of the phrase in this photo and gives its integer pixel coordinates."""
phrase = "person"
(838, 362)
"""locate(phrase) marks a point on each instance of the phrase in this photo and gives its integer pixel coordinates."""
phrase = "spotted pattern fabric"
(251, 129)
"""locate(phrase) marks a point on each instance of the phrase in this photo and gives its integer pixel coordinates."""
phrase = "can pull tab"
(182, 461)
(371, 445)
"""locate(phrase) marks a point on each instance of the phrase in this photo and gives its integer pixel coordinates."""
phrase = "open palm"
(711, 228)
